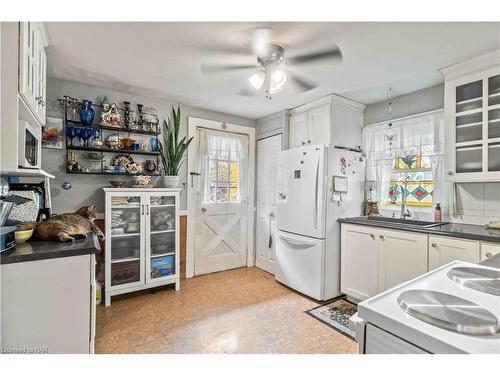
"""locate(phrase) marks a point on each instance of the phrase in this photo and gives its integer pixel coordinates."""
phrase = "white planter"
(170, 181)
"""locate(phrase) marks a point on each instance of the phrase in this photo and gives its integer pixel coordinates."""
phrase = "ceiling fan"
(270, 71)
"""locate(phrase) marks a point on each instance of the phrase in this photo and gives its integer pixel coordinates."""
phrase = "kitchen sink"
(407, 222)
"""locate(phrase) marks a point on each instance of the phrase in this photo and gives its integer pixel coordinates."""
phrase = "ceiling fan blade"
(248, 92)
(220, 68)
(333, 54)
(304, 84)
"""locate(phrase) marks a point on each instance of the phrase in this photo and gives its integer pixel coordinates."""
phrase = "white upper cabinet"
(472, 107)
(298, 130)
(318, 125)
(33, 67)
(329, 120)
(310, 127)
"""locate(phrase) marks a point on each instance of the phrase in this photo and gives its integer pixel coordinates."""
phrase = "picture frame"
(52, 134)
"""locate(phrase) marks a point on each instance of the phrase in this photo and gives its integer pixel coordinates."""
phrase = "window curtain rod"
(405, 117)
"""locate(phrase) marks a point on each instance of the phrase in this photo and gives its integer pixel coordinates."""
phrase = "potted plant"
(172, 149)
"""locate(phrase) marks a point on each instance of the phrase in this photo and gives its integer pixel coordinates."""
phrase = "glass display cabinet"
(472, 107)
(142, 239)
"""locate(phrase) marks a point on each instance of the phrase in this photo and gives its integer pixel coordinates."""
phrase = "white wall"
(88, 189)
(477, 203)
(424, 100)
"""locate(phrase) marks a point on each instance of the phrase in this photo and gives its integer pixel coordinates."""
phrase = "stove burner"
(449, 312)
(481, 279)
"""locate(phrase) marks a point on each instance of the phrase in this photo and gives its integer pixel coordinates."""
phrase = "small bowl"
(127, 142)
(141, 181)
(23, 235)
(117, 184)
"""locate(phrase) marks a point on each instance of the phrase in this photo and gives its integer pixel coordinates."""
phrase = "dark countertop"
(39, 250)
(467, 231)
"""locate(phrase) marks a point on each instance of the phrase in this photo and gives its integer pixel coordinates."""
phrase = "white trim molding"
(475, 64)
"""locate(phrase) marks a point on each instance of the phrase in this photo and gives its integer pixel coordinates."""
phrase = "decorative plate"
(121, 159)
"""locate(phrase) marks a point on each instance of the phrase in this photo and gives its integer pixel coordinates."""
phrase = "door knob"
(203, 209)
(450, 173)
(372, 236)
(308, 141)
(381, 237)
(303, 143)
(434, 245)
(488, 255)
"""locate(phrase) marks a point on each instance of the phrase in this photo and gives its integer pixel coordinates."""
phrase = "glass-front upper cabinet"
(472, 105)
(162, 226)
(126, 239)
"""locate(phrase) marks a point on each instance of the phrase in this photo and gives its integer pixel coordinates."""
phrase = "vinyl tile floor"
(237, 311)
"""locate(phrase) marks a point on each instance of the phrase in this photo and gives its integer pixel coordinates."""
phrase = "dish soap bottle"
(438, 215)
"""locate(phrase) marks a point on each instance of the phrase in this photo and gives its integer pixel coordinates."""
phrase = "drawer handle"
(488, 255)
(372, 236)
(434, 245)
(381, 237)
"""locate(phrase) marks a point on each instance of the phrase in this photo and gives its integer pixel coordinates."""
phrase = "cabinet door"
(298, 130)
(402, 256)
(318, 125)
(41, 93)
(125, 239)
(358, 276)
(28, 71)
(443, 250)
(489, 249)
(161, 237)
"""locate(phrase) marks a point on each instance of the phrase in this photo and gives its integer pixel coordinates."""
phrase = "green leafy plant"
(172, 149)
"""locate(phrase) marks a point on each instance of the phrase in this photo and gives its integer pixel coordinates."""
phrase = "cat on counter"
(65, 227)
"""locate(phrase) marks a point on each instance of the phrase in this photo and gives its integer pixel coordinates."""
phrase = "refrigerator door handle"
(297, 243)
(316, 193)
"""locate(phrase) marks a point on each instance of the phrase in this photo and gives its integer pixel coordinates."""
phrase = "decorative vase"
(170, 181)
(126, 114)
(150, 166)
(87, 113)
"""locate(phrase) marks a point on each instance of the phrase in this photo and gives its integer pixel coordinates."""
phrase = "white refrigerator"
(317, 185)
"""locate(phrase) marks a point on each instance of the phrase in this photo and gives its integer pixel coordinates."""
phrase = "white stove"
(409, 319)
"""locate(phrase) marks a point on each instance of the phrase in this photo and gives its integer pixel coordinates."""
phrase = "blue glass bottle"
(87, 113)
(153, 142)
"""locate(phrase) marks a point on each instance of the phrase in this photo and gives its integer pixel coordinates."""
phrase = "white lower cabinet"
(443, 250)
(142, 239)
(401, 257)
(489, 249)
(359, 273)
(48, 306)
(375, 259)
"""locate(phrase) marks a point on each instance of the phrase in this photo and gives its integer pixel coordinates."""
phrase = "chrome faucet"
(405, 212)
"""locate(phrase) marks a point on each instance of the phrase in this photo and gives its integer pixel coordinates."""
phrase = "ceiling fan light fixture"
(278, 80)
(257, 80)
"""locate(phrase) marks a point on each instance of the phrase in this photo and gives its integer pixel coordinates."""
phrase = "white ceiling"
(163, 59)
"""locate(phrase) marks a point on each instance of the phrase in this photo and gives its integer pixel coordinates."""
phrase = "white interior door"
(219, 199)
(267, 170)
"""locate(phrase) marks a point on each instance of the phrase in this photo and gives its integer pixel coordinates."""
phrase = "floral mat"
(336, 314)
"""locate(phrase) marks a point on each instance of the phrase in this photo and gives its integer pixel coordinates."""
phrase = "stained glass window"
(418, 189)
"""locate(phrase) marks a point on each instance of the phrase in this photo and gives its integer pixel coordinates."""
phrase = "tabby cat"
(66, 227)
